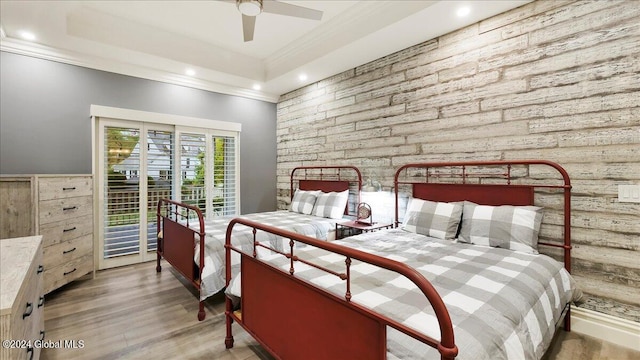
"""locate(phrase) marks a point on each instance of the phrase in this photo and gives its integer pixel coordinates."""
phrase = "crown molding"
(73, 58)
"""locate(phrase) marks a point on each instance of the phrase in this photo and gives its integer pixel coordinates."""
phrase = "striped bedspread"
(503, 304)
(213, 277)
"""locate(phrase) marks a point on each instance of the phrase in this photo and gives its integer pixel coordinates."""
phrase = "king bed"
(461, 275)
(320, 196)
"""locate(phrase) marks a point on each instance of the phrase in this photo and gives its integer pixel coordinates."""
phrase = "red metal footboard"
(178, 226)
(292, 318)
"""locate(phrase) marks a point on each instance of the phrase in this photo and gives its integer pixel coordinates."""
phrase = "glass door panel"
(192, 170)
(122, 169)
(159, 177)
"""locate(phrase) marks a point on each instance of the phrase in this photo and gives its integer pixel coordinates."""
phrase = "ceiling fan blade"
(248, 27)
(276, 7)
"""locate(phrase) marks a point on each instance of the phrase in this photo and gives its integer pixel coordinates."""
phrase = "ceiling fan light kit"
(249, 7)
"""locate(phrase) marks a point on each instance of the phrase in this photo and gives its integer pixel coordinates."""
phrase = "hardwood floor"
(134, 313)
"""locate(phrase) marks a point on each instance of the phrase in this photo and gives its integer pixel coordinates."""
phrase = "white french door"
(135, 170)
(208, 170)
(139, 162)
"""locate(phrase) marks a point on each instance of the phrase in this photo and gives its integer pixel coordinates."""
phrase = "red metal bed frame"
(289, 316)
(179, 224)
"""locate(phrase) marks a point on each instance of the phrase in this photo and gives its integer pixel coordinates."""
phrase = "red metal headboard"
(324, 185)
(494, 195)
(488, 183)
(327, 179)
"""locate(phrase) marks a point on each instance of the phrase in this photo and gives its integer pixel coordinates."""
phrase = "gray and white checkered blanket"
(503, 304)
(213, 276)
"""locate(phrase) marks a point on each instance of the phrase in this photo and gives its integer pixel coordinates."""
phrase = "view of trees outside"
(123, 171)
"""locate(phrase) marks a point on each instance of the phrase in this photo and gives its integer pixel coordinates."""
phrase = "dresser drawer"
(67, 272)
(35, 296)
(50, 188)
(64, 209)
(66, 251)
(57, 232)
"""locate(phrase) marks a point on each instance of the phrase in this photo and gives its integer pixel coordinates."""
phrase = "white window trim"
(159, 118)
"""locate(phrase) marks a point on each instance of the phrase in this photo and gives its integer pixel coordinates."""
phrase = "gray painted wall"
(45, 126)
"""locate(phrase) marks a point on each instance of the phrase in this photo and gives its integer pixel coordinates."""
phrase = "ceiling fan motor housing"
(249, 7)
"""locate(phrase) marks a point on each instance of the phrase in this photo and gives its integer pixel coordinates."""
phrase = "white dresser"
(62, 212)
(21, 297)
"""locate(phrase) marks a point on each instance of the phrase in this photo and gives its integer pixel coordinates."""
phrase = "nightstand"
(352, 227)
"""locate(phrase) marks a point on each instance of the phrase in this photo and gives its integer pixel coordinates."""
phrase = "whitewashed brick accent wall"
(555, 80)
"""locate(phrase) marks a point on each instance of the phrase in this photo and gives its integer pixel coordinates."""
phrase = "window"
(151, 156)
(208, 165)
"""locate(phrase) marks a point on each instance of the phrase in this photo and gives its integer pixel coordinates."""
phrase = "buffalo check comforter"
(503, 304)
(213, 273)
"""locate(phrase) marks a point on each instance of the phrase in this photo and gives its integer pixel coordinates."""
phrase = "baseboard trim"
(606, 327)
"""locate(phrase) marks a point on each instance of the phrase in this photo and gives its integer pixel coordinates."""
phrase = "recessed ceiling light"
(190, 72)
(463, 11)
(257, 87)
(302, 77)
(27, 35)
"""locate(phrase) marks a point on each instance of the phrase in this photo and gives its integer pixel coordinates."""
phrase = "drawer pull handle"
(28, 310)
(42, 335)
(41, 301)
(30, 353)
(68, 188)
(71, 229)
(69, 208)
(40, 269)
(69, 272)
(68, 251)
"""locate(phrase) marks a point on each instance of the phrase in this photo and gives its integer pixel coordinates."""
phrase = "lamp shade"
(371, 186)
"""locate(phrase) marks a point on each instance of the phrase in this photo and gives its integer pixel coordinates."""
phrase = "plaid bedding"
(503, 304)
(213, 273)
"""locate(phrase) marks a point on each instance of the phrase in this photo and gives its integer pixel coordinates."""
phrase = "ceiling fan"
(252, 8)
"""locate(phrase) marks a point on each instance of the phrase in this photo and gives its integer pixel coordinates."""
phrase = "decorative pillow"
(331, 204)
(303, 201)
(436, 219)
(506, 226)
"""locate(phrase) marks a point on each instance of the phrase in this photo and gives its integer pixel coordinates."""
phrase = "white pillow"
(331, 204)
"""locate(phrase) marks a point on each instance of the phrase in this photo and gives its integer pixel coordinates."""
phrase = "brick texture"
(555, 80)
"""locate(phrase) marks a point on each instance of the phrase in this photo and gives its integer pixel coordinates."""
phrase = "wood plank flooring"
(134, 313)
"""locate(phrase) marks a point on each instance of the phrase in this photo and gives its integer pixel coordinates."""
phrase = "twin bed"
(320, 196)
(459, 276)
